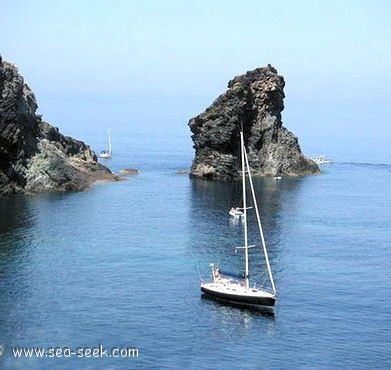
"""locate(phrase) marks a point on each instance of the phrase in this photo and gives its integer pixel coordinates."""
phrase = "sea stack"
(35, 156)
(254, 102)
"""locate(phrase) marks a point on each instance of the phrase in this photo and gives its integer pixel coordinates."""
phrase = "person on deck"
(217, 274)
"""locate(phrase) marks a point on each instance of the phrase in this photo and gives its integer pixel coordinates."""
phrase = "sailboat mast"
(109, 141)
(246, 268)
(260, 226)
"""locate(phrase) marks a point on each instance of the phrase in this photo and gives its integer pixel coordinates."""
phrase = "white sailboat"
(236, 212)
(106, 153)
(321, 159)
(239, 292)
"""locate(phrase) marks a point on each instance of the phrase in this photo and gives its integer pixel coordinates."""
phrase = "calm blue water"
(119, 265)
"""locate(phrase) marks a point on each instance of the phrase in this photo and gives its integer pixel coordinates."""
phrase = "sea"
(119, 266)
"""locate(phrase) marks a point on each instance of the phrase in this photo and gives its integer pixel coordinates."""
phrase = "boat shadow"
(263, 311)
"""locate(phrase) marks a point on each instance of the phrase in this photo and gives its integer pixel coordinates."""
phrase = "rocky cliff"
(253, 101)
(35, 156)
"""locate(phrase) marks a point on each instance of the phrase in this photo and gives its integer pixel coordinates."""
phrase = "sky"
(335, 57)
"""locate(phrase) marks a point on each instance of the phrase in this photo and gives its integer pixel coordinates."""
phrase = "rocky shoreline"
(34, 155)
(254, 101)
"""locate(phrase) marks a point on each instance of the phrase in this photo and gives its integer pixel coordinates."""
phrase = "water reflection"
(15, 215)
(254, 311)
(235, 321)
(17, 219)
(209, 197)
(236, 221)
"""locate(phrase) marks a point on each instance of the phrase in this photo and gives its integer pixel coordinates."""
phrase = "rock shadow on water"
(17, 216)
(18, 219)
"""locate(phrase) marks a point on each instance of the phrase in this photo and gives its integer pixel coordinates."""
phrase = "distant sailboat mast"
(109, 142)
(106, 153)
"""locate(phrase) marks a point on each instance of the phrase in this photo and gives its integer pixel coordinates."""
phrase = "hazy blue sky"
(334, 55)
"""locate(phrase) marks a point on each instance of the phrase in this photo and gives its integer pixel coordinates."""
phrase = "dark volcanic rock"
(253, 101)
(35, 156)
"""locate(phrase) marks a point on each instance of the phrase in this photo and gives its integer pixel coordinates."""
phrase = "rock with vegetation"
(254, 101)
(35, 156)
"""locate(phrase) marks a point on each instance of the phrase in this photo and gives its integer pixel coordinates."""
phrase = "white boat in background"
(106, 153)
(239, 291)
(236, 212)
(321, 159)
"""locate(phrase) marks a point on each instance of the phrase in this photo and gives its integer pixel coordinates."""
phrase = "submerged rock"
(129, 171)
(35, 156)
(253, 101)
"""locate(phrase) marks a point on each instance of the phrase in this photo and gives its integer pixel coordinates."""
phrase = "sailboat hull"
(105, 155)
(238, 295)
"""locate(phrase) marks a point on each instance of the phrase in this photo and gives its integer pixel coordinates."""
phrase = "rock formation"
(253, 101)
(35, 156)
